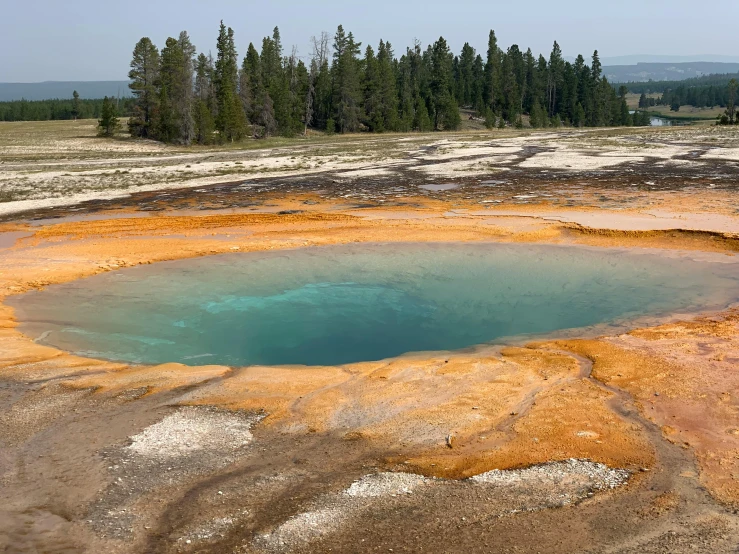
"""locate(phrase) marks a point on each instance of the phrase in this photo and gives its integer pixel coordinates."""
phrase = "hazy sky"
(92, 40)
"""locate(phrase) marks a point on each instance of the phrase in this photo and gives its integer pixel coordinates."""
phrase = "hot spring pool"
(341, 304)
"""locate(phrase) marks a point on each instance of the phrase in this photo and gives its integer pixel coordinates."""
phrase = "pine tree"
(108, 124)
(731, 103)
(388, 89)
(276, 80)
(346, 81)
(530, 82)
(170, 63)
(267, 115)
(582, 75)
(204, 79)
(598, 116)
(261, 70)
(443, 106)
(478, 76)
(176, 80)
(492, 91)
(230, 119)
(204, 125)
(245, 96)
(372, 110)
(422, 121)
(144, 75)
(489, 119)
(406, 106)
(252, 89)
(185, 101)
(466, 87)
(298, 85)
(595, 67)
(75, 105)
(322, 105)
(578, 119)
(165, 124)
(411, 78)
(554, 78)
(315, 108)
(536, 116)
(512, 80)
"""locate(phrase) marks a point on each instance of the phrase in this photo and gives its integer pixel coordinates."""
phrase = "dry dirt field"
(615, 444)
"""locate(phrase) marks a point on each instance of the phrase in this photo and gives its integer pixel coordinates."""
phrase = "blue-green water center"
(342, 304)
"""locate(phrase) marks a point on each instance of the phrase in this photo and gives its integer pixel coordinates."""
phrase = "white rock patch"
(563, 159)
(334, 510)
(572, 472)
(731, 154)
(190, 430)
(385, 484)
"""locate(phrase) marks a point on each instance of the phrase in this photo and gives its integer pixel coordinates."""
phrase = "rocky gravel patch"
(334, 510)
(189, 442)
(559, 483)
(192, 431)
(550, 485)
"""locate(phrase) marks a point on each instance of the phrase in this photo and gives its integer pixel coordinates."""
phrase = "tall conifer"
(75, 105)
(346, 81)
(492, 90)
(230, 119)
(144, 75)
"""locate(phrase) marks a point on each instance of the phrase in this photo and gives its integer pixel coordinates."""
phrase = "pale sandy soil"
(99, 456)
(55, 168)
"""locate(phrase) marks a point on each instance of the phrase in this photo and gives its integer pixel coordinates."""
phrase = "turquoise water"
(343, 304)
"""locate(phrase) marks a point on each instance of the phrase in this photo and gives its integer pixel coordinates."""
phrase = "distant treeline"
(699, 96)
(183, 97)
(715, 80)
(707, 91)
(58, 109)
(666, 71)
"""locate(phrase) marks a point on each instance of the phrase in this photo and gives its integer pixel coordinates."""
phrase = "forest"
(59, 109)
(715, 80)
(706, 91)
(182, 96)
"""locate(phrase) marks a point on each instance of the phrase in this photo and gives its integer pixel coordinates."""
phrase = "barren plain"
(623, 443)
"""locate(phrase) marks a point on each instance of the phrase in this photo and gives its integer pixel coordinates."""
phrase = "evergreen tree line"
(184, 97)
(702, 92)
(649, 87)
(688, 93)
(59, 109)
(699, 96)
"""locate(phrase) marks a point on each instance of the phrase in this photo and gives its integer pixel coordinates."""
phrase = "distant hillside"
(665, 71)
(658, 58)
(62, 89)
